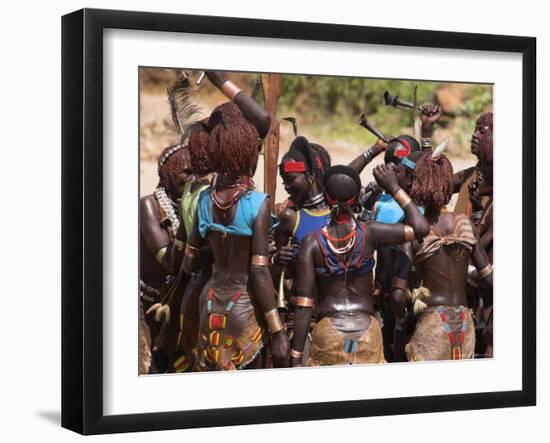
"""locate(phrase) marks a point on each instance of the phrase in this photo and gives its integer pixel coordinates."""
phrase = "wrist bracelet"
(296, 354)
(486, 271)
(230, 90)
(274, 323)
(402, 198)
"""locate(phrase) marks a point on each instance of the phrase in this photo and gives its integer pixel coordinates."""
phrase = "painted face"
(295, 184)
(483, 135)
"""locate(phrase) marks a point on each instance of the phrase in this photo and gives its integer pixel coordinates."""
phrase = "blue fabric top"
(358, 262)
(387, 210)
(308, 221)
(242, 225)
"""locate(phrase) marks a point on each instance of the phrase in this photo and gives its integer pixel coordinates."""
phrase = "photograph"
(293, 221)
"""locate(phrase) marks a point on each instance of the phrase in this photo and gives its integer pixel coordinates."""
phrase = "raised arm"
(253, 112)
(262, 286)
(393, 234)
(360, 162)
(430, 115)
(305, 293)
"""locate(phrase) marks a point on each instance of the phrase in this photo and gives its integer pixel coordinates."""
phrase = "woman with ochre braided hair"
(161, 249)
(335, 273)
(238, 313)
(444, 329)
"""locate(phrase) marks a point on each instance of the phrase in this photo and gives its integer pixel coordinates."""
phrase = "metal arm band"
(402, 198)
(368, 155)
(296, 354)
(274, 323)
(426, 142)
(399, 283)
(160, 254)
(486, 271)
(259, 260)
(230, 90)
(304, 302)
(409, 233)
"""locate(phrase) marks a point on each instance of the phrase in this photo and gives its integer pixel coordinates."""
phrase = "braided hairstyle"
(226, 143)
(432, 186)
(342, 185)
(315, 157)
(172, 162)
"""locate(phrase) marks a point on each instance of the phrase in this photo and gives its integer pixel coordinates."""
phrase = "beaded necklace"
(167, 206)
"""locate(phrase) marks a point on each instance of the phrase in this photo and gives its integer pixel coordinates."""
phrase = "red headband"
(400, 152)
(294, 167)
(332, 201)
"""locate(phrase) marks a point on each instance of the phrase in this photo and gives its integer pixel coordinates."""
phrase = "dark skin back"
(347, 293)
(445, 274)
(232, 257)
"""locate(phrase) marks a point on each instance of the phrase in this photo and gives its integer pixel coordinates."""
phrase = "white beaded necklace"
(166, 204)
(347, 247)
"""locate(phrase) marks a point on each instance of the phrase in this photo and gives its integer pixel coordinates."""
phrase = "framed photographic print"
(273, 221)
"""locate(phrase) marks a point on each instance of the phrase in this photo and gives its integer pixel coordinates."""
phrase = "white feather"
(439, 149)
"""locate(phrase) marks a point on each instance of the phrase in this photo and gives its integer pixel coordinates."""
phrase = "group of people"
(339, 273)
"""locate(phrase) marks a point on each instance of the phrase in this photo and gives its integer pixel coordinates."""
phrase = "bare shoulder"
(287, 219)
(148, 207)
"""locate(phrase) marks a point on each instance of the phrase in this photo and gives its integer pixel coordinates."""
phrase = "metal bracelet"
(304, 302)
(409, 233)
(402, 198)
(486, 271)
(368, 155)
(296, 354)
(259, 260)
(230, 90)
(274, 323)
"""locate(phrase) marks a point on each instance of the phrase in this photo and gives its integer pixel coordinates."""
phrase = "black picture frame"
(82, 219)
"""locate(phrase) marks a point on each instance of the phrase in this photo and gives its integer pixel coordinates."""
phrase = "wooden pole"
(271, 84)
